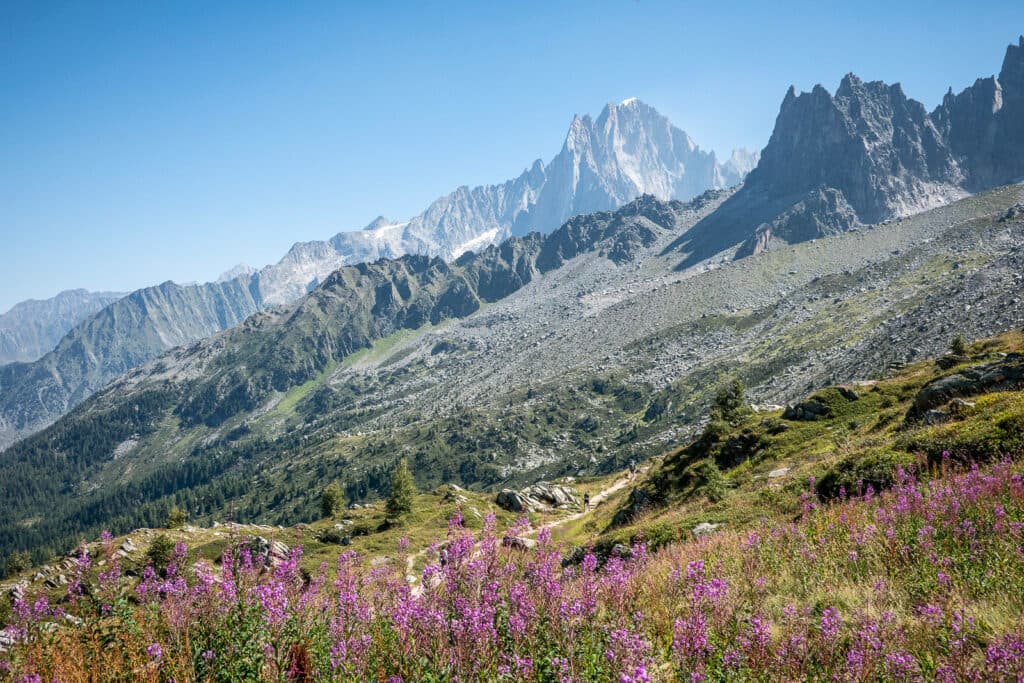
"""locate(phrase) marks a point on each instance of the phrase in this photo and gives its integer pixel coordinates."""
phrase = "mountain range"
(629, 150)
(864, 238)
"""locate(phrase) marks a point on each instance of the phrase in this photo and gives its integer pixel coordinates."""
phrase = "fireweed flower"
(830, 623)
(710, 610)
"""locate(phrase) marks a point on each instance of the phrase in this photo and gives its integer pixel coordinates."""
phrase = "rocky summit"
(867, 154)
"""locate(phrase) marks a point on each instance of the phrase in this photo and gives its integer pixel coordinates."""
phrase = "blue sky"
(147, 141)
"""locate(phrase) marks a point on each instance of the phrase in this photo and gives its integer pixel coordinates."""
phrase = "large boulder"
(538, 496)
(1005, 374)
(551, 495)
(514, 501)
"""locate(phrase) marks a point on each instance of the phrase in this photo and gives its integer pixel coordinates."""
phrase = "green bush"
(176, 518)
(958, 346)
(855, 473)
(17, 562)
(712, 482)
(160, 551)
(332, 500)
(731, 403)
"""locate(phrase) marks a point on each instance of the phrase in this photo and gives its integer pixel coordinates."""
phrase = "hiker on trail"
(586, 501)
(632, 468)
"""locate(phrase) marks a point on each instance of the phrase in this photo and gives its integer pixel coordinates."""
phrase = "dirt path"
(600, 496)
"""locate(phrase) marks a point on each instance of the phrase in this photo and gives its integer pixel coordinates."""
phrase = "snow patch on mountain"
(481, 241)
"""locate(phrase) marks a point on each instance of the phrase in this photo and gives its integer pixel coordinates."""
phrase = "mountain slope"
(122, 335)
(543, 357)
(31, 328)
(869, 154)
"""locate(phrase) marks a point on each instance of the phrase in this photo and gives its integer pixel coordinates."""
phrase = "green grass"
(861, 440)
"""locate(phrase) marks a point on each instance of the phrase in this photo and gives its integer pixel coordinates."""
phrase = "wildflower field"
(921, 582)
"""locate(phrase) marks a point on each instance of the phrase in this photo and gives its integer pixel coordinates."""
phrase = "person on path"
(586, 501)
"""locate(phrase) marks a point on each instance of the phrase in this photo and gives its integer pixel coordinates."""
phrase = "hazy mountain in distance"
(628, 150)
(33, 327)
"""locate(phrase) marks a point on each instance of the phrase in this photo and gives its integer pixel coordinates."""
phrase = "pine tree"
(731, 403)
(332, 500)
(403, 488)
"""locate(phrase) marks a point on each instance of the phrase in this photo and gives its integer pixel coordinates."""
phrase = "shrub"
(959, 345)
(731, 403)
(712, 482)
(855, 473)
(18, 562)
(160, 551)
(176, 518)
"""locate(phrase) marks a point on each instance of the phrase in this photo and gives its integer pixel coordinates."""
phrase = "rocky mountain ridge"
(869, 154)
(125, 333)
(33, 327)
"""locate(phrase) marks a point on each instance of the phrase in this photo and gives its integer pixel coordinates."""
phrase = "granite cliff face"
(984, 124)
(31, 328)
(869, 141)
(868, 154)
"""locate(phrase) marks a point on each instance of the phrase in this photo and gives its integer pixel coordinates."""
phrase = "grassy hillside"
(877, 542)
(737, 473)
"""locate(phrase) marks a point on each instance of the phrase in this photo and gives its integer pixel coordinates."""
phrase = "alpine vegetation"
(894, 585)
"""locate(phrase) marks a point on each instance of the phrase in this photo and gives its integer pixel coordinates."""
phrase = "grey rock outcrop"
(514, 501)
(551, 495)
(1005, 374)
(539, 496)
(807, 411)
